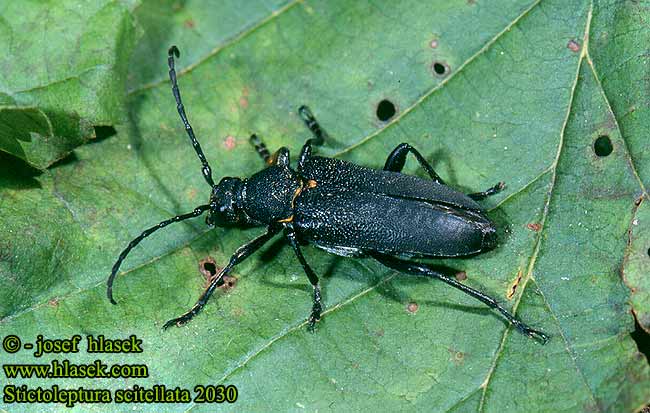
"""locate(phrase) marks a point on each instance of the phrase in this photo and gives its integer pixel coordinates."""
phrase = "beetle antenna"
(207, 172)
(197, 211)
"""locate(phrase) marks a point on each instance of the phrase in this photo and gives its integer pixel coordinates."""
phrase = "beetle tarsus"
(489, 192)
(186, 317)
(534, 334)
(178, 322)
(316, 309)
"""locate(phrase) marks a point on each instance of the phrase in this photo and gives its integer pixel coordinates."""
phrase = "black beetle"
(345, 209)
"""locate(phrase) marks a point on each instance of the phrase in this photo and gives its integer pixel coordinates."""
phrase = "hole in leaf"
(603, 146)
(440, 68)
(648, 252)
(385, 110)
(642, 339)
(103, 132)
(210, 267)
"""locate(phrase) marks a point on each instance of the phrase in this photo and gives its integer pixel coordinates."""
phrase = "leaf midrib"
(536, 248)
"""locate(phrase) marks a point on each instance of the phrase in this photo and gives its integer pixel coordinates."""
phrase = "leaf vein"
(538, 242)
(446, 80)
(226, 44)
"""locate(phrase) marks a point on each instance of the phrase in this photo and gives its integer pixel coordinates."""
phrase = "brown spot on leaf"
(455, 356)
(461, 275)
(243, 99)
(54, 302)
(434, 43)
(191, 193)
(535, 226)
(412, 307)
(189, 23)
(513, 287)
(208, 267)
(229, 282)
(573, 46)
(230, 142)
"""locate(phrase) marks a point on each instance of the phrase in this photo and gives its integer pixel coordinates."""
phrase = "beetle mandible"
(343, 208)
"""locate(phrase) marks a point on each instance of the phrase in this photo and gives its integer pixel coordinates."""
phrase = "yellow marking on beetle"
(310, 184)
(295, 194)
(273, 158)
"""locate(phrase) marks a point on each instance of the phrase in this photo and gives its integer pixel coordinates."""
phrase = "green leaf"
(528, 88)
(620, 53)
(63, 70)
(636, 263)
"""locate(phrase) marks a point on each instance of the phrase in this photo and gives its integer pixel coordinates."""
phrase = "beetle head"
(225, 204)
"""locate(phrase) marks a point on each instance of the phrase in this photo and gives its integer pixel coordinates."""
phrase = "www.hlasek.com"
(65, 369)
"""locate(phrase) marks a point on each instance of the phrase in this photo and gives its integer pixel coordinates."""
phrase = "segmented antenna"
(207, 172)
(197, 211)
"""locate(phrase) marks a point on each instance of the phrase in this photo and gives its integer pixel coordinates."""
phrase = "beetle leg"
(414, 268)
(279, 157)
(319, 134)
(482, 195)
(397, 158)
(240, 255)
(260, 148)
(313, 278)
(310, 120)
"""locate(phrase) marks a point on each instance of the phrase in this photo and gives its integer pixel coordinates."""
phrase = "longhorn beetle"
(343, 208)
